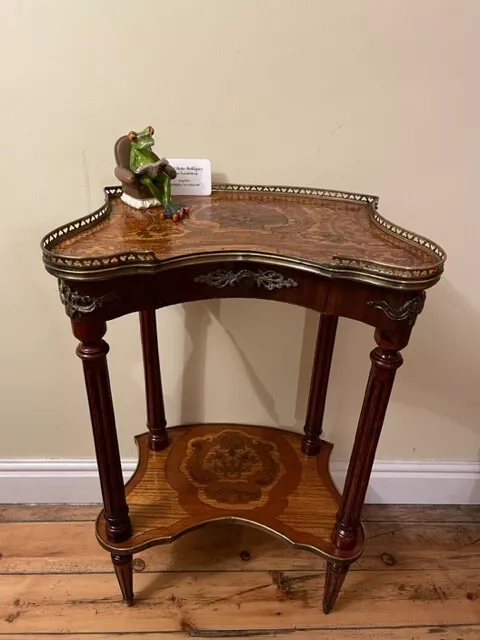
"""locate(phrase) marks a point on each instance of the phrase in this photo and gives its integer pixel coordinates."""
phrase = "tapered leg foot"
(334, 578)
(123, 566)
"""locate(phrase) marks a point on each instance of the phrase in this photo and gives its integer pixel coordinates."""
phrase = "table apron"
(381, 307)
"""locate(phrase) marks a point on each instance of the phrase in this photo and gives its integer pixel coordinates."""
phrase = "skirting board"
(76, 481)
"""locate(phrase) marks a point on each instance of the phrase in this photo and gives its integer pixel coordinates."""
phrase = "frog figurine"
(147, 170)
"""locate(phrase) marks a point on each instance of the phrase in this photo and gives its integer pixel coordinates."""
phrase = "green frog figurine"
(147, 180)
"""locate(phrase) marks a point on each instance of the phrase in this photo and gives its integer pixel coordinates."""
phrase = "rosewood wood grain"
(93, 352)
(386, 359)
(322, 362)
(330, 233)
(236, 473)
(156, 422)
(324, 250)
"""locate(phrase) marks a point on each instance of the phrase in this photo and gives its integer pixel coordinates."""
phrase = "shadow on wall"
(442, 367)
(242, 363)
(442, 360)
(196, 323)
(441, 370)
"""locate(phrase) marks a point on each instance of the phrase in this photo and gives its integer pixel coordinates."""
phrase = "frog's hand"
(167, 168)
(170, 171)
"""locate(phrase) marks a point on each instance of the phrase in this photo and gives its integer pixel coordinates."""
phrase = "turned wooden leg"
(334, 577)
(93, 352)
(156, 423)
(386, 359)
(123, 566)
(319, 384)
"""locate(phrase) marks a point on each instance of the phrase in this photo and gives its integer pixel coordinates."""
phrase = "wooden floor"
(419, 579)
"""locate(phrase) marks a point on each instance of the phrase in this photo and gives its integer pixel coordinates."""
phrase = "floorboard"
(412, 633)
(72, 548)
(440, 514)
(418, 580)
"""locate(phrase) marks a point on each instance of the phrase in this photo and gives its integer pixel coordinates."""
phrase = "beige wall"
(379, 96)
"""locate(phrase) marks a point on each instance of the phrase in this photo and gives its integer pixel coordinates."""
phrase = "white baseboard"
(75, 481)
(419, 482)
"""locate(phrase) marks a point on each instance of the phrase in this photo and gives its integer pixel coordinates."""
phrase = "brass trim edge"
(348, 267)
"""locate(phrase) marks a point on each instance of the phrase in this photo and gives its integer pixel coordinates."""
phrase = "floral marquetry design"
(328, 251)
(232, 467)
(233, 470)
(235, 473)
(329, 232)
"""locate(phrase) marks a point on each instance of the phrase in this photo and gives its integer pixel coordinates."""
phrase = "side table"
(324, 250)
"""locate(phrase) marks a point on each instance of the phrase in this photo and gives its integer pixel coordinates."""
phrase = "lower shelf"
(256, 476)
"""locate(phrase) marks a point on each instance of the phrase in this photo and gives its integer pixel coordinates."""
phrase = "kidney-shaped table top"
(333, 233)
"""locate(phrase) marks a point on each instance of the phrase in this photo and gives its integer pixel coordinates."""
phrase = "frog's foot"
(176, 211)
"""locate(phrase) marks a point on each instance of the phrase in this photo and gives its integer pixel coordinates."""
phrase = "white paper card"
(194, 177)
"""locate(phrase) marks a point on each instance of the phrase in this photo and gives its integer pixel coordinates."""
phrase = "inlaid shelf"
(256, 476)
(326, 250)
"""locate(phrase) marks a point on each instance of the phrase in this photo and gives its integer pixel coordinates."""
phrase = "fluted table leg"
(156, 422)
(319, 383)
(93, 352)
(386, 359)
